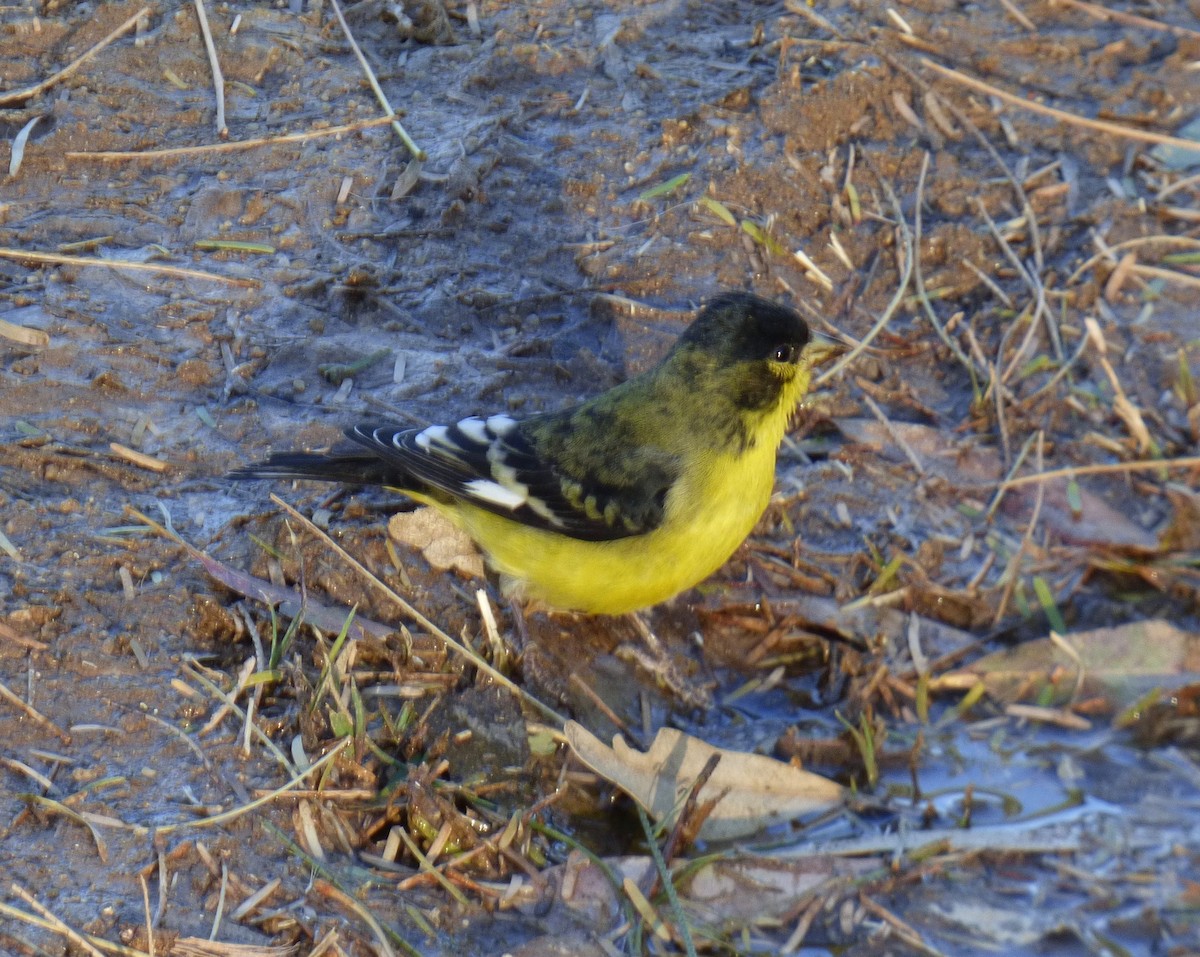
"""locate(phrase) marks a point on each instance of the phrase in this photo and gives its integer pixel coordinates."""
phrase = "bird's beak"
(821, 348)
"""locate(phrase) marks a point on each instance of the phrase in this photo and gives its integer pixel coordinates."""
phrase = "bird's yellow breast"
(708, 513)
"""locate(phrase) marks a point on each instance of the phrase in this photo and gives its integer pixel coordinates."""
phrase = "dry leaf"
(23, 335)
(751, 791)
(941, 452)
(1095, 523)
(745, 888)
(443, 543)
(1119, 665)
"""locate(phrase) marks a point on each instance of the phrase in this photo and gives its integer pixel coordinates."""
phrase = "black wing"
(495, 464)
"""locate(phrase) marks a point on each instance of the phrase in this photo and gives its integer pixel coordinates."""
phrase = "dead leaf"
(444, 544)
(1094, 523)
(751, 888)
(751, 791)
(35, 338)
(1002, 928)
(1119, 665)
(939, 451)
(1182, 531)
(290, 602)
(744, 888)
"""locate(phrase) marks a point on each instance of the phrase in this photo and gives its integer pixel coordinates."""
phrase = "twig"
(910, 255)
(895, 435)
(919, 275)
(20, 96)
(467, 653)
(233, 813)
(1055, 379)
(1014, 566)
(9, 635)
(966, 122)
(1015, 12)
(146, 909)
(326, 889)
(1055, 716)
(1170, 275)
(140, 459)
(1109, 252)
(1001, 489)
(46, 923)
(1115, 129)
(33, 713)
(1179, 184)
(417, 153)
(581, 685)
(215, 65)
(1128, 412)
(982, 276)
(801, 9)
(902, 930)
(230, 147)
(24, 255)
(1119, 16)
(686, 821)
(1036, 286)
(72, 935)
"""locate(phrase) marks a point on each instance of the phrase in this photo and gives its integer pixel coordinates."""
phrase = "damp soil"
(594, 171)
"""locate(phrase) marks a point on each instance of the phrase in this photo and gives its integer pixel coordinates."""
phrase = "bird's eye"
(784, 353)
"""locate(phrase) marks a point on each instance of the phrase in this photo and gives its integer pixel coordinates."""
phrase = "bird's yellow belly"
(706, 520)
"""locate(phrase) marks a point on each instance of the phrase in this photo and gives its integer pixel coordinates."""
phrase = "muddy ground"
(593, 172)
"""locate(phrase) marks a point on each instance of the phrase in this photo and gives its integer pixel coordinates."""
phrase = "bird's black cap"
(744, 326)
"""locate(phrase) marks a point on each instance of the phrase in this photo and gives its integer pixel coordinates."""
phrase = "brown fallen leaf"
(1118, 665)
(752, 888)
(24, 335)
(946, 454)
(289, 601)
(751, 791)
(1090, 520)
(444, 544)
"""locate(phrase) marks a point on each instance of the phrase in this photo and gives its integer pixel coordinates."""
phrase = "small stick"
(20, 96)
(23, 255)
(231, 147)
(895, 435)
(33, 713)
(1062, 116)
(1015, 12)
(1071, 471)
(458, 647)
(417, 153)
(140, 459)
(1118, 16)
(72, 935)
(215, 66)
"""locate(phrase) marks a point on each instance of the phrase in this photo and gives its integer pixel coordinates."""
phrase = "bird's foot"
(664, 668)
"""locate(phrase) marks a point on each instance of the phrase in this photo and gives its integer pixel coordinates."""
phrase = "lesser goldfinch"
(626, 500)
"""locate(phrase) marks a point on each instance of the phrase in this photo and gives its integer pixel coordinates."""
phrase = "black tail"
(351, 469)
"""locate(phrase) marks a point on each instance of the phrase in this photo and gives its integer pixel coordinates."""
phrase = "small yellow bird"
(626, 500)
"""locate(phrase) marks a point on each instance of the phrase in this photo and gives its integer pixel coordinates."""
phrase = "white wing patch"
(496, 493)
(475, 429)
(501, 425)
(426, 438)
(493, 463)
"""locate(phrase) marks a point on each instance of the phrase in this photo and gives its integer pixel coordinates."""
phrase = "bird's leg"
(651, 655)
(520, 625)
